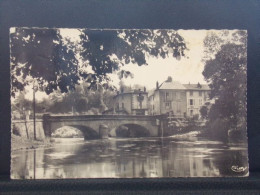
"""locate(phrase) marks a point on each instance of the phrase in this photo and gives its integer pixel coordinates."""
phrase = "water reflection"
(136, 157)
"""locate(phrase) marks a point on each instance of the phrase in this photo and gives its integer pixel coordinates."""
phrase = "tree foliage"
(21, 104)
(204, 110)
(215, 40)
(226, 73)
(82, 100)
(40, 55)
(46, 57)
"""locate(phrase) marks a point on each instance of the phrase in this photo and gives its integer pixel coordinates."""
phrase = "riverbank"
(20, 143)
(189, 135)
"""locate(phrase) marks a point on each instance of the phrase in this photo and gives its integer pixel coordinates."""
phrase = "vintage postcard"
(128, 103)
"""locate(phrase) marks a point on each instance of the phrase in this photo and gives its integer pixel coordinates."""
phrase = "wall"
(157, 102)
(151, 105)
(130, 102)
(126, 100)
(176, 100)
(23, 127)
(136, 103)
(198, 101)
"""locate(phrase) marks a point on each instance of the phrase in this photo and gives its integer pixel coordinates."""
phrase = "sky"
(186, 70)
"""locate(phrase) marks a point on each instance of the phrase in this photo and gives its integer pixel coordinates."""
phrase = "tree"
(216, 39)
(21, 104)
(226, 73)
(82, 100)
(40, 55)
(204, 110)
(46, 57)
(108, 50)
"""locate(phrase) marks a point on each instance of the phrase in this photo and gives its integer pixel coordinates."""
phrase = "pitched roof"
(171, 85)
(195, 87)
(131, 92)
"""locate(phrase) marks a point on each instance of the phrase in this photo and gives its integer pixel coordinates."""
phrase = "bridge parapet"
(93, 122)
(99, 117)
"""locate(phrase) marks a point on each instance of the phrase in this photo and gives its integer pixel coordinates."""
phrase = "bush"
(16, 131)
(191, 124)
(218, 129)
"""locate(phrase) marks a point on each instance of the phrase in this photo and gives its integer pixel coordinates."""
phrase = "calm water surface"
(131, 157)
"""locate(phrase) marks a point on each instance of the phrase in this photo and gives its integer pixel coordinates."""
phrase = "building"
(170, 96)
(178, 99)
(196, 96)
(132, 102)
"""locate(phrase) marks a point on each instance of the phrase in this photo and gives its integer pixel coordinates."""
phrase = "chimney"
(144, 89)
(199, 85)
(169, 79)
(157, 85)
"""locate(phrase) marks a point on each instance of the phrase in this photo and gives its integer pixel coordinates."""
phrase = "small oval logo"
(238, 169)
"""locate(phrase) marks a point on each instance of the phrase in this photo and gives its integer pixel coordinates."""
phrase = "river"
(131, 158)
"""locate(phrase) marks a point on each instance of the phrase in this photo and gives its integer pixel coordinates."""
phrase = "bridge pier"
(46, 124)
(103, 131)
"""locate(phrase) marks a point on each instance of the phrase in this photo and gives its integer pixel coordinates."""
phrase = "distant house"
(133, 102)
(196, 95)
(178, 99)
(170, 96)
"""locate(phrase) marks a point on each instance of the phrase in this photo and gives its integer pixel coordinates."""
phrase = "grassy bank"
(19, 143)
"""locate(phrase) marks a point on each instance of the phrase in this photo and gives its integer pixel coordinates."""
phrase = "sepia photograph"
(128, 103)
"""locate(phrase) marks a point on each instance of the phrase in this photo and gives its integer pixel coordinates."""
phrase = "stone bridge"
(91, 125)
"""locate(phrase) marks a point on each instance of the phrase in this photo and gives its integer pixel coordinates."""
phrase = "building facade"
(171, 97)
(178, 99)
(132, 103)
(196, 96)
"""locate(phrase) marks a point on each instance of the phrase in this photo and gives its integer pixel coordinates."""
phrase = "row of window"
(174, 95)
(177, 95)
(123, 106)
(168, 106)
(200, 93)
(192, 102)
(191, 93)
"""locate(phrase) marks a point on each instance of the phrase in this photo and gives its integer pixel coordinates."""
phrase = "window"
(173, 95)
(123, 106)
(191, 93)
(168, 105)
(200, 93)
(140, 112)
(166, 95)
(191, 112)
(178, 107)
(178, 95)
(191, 102)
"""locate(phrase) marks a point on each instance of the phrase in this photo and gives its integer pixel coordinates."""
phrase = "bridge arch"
(131, 130)
(87, 132)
